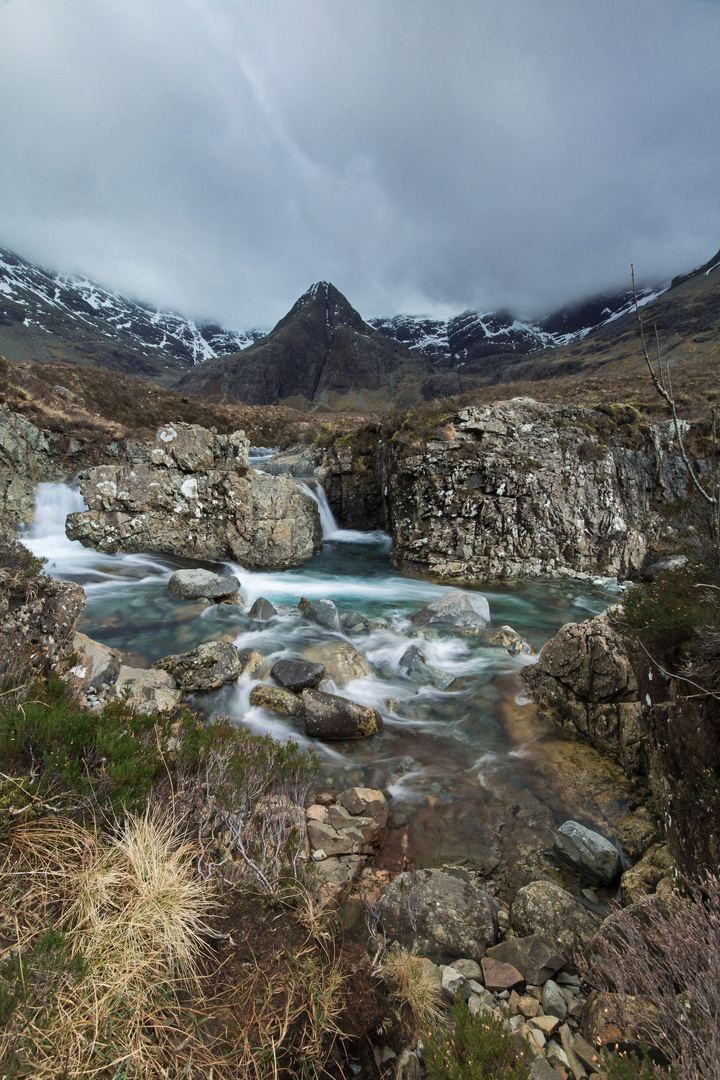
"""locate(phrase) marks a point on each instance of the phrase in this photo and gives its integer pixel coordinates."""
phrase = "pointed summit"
(321, 353)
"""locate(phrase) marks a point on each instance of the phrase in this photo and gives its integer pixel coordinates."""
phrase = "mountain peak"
(322, 302)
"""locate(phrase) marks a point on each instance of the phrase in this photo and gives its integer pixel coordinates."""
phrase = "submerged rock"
(466, 611)
(413, 663)
(440, 915)
(208, 667)
(328, 716)
(191, 584)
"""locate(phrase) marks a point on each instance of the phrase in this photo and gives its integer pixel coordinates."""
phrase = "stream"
(473, 775)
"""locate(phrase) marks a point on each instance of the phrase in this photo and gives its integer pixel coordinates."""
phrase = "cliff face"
(522, 488)
(27, 457)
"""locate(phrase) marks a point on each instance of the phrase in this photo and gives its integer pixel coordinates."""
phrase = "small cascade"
(53, 503)
(327, 520)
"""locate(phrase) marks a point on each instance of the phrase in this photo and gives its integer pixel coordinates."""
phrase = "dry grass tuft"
(411, 985)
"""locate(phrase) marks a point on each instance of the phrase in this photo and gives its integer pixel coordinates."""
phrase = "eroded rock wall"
(192, 494)
(27, 457)
(522, 488)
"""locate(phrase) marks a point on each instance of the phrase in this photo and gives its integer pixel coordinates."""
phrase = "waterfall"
(318, 496)
(53, 503)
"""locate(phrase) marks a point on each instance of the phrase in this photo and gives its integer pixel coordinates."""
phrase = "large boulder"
(208, 667)
(439, 915)
(328, 716)
(196, 497)
(588, 851)
(191, 584)
(456, 609)
(544, 908)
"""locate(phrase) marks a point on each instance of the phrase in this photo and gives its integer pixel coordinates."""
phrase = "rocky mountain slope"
(320, 353)
(49, 317)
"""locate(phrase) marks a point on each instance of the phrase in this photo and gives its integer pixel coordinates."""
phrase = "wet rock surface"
(27, 457)
(588, 851)
(297, 675)
(328, 716)
(466, 611)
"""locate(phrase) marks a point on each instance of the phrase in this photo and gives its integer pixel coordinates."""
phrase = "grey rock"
(146, 691)
(469, 968)
(97, 663)
(297, 675)
(463, 610)
(454, 984)
(553, 1000)
(329, 716)
(324, 613)
(262, 610)
(342, 662)
(588, 852)
(191, 584)
(352, 622)
(672, 562)
(442, 915)
(208, 667)
(413, 663)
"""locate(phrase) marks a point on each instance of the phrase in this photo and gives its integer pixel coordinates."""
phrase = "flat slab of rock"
(329, 716)
(467, 611)
(276, 699)
(536, 957)
(191, 584)
(147, 691)
(498, 976)
(297, 675)
(210, 666)
(445, 916)
(588, 852)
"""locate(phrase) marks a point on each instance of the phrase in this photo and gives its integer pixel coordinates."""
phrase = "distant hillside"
(47, 317)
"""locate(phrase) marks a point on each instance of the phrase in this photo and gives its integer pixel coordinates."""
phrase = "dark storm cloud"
(219, 156)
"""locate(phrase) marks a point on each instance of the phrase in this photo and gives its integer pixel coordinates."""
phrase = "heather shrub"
(478, 1049)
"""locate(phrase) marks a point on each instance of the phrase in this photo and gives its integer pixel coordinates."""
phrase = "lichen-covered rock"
(643, 878)
(440, 915)
(219, 510)
(208, 667)
(37, 625)
(146, 691)
(328, 716)
(27, 457)
(544, 908)
(523, 488)
(276, 699)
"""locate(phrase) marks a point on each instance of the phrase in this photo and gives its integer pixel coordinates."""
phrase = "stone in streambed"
(250, 662)
(323, 613)
(275, 699)
(208, 667)
(588, 852)
(506, 637)
(191, 584)
(262, 610)
(456, 609)
(413, 663)
(341, 660)
(297, 675)
(328, 716)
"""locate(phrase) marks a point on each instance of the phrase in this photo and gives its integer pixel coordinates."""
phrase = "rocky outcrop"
(37, 621)
(27, 457)
(194, 496)
(208, 667)
(522, 488)
(585, 679)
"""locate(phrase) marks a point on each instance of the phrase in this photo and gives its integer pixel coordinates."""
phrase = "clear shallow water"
(455, 763)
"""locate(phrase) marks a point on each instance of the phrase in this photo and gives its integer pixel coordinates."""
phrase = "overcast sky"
(219, 156)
